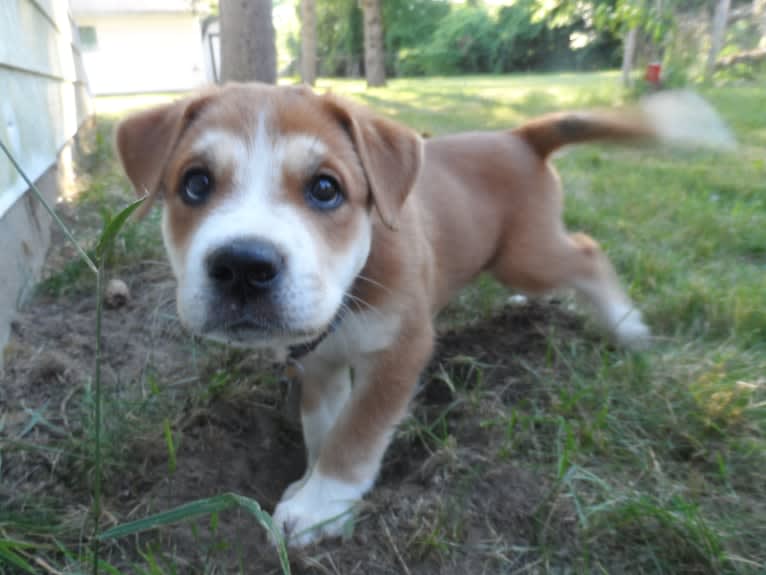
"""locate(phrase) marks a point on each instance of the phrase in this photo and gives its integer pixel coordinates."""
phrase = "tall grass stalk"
(111, 229)
(85, 257)
(97, 416)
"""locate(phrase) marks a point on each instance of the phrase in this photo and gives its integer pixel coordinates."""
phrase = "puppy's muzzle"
(246, 278)
(245, 270)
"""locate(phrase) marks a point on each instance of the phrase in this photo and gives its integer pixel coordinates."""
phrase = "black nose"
(245, 266)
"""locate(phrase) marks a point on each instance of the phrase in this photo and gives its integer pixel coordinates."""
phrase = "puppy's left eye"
(324, 193)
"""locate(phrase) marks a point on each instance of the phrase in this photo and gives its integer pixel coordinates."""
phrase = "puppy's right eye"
(196, 186)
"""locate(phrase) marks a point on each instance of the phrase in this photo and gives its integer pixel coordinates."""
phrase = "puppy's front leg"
(325, 390)
(351, 453)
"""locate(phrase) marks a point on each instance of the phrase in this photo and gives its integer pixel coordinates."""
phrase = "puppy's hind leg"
(560, 260)
(601, 288)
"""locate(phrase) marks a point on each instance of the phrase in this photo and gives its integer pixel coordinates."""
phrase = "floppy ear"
(144, 142)
(391, 156)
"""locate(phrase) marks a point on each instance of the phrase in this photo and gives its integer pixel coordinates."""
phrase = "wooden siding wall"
(43, 89)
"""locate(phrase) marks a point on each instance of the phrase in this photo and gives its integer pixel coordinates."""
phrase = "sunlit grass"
(444, 105)
(122, 104)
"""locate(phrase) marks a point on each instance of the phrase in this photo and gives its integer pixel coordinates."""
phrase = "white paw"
(293, 488)
(320, 507)
(631, 331)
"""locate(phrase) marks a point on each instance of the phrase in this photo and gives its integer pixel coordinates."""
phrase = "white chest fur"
(360, 333)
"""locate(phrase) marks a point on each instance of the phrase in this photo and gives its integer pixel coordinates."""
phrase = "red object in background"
(653, 72)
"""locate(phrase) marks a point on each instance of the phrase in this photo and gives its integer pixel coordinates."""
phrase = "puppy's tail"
(675, 117)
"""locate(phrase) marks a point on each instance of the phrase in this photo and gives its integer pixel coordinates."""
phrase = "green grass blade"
(201, 508)
(97, 416)
(264, 519)
(113, 227)
(108, 234)
(183, 512)
(8, 554)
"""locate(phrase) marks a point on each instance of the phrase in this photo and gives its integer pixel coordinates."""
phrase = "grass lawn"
(536, 446)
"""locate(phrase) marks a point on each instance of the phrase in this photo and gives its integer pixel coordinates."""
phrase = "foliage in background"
(441, 38)
(471, 40)
(675, 33)
(413, 24)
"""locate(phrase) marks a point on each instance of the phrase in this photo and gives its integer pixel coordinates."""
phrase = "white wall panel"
(43, 99)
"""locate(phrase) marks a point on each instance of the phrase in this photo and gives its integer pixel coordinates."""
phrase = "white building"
(135, 46)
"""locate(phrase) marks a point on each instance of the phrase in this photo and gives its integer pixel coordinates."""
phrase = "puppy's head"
(271, 197)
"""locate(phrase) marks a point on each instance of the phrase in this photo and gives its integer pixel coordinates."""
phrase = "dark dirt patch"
(505, 345)
(53, 340)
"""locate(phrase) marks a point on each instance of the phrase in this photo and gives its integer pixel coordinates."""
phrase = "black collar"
(303, 349)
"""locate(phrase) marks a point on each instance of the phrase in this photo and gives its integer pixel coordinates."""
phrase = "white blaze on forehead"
(220, 146)
(302, 153)
(269, 154)
(259, 174)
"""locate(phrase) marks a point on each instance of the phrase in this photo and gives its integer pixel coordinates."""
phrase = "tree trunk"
(746, 57)
(718, 35)
(374, 59)
(308, 41)
(248, 52)
(759, 15)
(628, 56)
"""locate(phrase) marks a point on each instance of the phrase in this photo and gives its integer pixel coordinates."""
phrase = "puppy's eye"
(324, 193)
(196, 186)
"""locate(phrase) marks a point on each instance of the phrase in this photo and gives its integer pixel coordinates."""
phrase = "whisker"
(367, 306)
(375, 283)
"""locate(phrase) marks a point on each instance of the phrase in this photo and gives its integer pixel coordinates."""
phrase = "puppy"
(310, 225)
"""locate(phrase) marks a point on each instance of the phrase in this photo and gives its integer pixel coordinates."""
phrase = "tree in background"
(741, 47)
(718, 34)
(625, 17)
(629, 55)
(248, 51)
(374, 53)
(759, 13)
(340, 42)
(308, 42)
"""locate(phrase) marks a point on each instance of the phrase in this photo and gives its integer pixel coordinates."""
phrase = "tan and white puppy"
(307, 224)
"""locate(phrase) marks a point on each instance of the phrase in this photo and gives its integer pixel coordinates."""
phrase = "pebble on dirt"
(117, 293)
